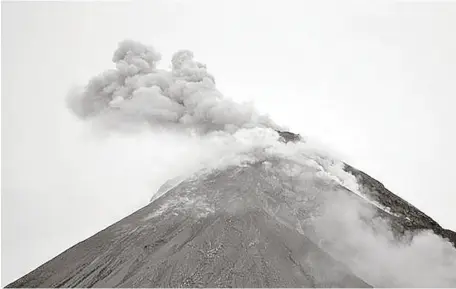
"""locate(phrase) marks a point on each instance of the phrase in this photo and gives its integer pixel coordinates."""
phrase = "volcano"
(250, 225)
(267, 210)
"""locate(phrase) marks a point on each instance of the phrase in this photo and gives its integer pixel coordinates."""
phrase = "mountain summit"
(266, 208)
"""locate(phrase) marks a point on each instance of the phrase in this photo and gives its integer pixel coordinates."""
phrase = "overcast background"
(373, 80)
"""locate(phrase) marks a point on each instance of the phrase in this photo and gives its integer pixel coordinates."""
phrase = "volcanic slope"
(230, 228)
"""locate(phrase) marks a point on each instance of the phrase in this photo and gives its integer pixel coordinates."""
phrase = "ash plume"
(137, 91)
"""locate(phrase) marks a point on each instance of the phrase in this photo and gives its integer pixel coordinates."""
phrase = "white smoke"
(185, 99)
(136, 91)
(372, 252)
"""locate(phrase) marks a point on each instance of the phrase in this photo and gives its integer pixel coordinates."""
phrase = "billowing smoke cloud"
(373, 253)
(136, 91)
(185, 98)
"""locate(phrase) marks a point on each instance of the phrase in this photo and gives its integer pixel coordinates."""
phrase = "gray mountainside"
(252, 225)
(408, 218)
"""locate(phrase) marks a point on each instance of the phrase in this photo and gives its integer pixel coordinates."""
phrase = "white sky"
(373, 80)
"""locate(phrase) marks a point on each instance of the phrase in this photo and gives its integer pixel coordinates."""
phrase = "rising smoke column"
(186, 96)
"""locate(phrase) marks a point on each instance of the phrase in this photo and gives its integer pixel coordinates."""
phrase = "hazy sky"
(372, 80)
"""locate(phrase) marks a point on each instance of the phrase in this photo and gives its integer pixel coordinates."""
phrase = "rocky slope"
(227, 229)
(408, 218)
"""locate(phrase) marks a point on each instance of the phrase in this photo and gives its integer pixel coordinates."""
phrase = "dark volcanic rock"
(287, 136)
